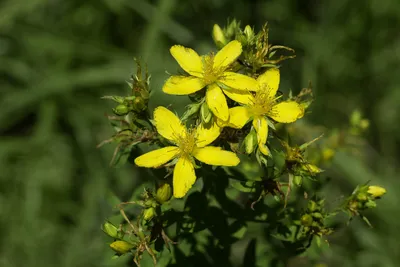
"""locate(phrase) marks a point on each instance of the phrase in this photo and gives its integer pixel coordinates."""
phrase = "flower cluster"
(237, 115)
(254, 99)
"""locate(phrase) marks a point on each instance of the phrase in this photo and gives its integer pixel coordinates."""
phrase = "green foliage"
(57, 59)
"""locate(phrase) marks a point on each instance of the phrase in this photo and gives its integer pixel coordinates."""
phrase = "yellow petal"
(242, 97)
(269, 81)
(261, 126)
(286, 112)
(188, 59)
(238, 117)
(221, 123)
(238, 81)
(227, 55)
(264, 149)
(376, 191)
(183, 85)
(168, 124)
(184, 177)
(216, 156)
(216, 102)
(157, 158)
(206, 134)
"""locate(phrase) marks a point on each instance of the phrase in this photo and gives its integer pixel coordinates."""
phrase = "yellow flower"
(376, 191)
(263, 104)
(188, 144)
(209, 71)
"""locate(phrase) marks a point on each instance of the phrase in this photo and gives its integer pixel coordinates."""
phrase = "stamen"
(187, 143)
(211, 74)
(263, 102)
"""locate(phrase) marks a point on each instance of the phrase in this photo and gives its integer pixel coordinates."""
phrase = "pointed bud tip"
(376, 191)
(121, 247)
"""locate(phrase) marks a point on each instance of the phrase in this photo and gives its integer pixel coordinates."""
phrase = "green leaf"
(245, 187)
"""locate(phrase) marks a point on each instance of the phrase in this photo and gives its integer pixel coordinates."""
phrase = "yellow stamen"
(187, 143)
(262, 104)
(210, 74)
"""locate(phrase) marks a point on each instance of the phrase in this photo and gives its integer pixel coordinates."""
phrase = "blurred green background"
(57, 58)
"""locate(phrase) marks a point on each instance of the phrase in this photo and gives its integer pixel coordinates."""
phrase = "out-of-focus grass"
(57, 58)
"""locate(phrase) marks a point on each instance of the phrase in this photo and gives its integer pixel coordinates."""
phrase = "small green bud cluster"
(364, 197)
(313, 221)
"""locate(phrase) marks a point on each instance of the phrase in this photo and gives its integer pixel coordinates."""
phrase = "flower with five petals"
(210, 71)
(262, 105)
(187, 146)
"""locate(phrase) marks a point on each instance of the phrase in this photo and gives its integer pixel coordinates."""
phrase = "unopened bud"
(248, 31)
(311, 168)
(298, 180)
(110, 229)
(312, 206)
(150, 203)
(218, 36)
(121, 110)
(317, 215)
(250, 142)
(205, 113)
(149, 214)
(121, 247)
(139, 104)
(362, 196)
(376, 191)
(370, 204)
(306, 220)
(164, 193)
(353, 205)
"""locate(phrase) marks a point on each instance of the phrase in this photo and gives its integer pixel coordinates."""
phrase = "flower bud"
(361, 196)
(376, 191)
(121, 110)
(164, 193)
(306, 220)
(250, 142)
(145, 94)
(298, 180)
(311, 168)
(121, 247)
(370, 204)
(248, 31)
(150, 203)
(205, 113)
(218, 36)
(149, 214)
(353, 205)
(312, 206)
(317, 215)
(110, 229)
(139, 104)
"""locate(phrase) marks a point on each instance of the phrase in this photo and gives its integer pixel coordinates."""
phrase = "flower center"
(210, 74)
(263, 103)
(187, 142)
